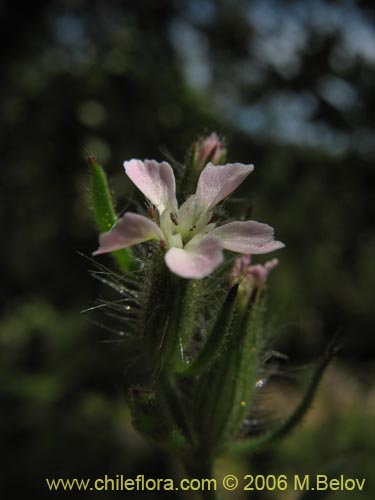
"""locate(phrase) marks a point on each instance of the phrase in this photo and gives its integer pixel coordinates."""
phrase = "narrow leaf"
(285, 427)
(104, 211)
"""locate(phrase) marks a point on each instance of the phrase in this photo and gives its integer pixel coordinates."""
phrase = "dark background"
(290, 86)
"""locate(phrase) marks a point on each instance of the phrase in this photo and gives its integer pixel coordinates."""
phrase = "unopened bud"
(209, 149)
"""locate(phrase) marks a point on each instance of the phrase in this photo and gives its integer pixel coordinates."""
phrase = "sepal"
(215, 343)
(224, 392)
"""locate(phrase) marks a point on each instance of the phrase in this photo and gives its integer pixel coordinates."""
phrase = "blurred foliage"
(290, 85)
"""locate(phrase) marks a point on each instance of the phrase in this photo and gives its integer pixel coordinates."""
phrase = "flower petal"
(210, 147)
(130, 230)
(197, 260)
(260, 272)
(247, 237)
(216, 182)
(240, 266)
(155, 180)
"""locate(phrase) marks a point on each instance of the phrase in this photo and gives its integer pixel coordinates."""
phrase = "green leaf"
(104, 211)
(285, 427)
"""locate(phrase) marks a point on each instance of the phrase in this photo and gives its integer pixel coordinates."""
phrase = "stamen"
(193, 227)
(174, 218)
(152, 212)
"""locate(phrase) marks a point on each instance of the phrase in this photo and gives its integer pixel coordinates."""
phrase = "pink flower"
(255, 275)
(194, 245)
(209, 148)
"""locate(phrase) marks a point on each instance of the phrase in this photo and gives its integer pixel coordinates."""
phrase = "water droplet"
(260, 383)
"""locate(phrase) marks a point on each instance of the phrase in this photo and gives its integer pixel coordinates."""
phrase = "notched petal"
(155, 180)
(216, 182)
(248, 237)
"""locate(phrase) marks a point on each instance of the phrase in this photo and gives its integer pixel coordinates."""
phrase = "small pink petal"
(260, 272)
(130, 230)
(208, 147)
(197, 260)
(271, 264)
(216, 182)
(248, 237)
(155, 180)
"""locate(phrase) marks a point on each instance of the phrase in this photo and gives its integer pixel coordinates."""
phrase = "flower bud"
(208, 149)
(250, 278)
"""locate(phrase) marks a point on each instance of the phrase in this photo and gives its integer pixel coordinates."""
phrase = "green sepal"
(153, 321)
(104, 212)
(190, 307)
(224, 392)
(210, 157)
(150, 420)
(161, 313)
(248, 346)
(222, 158)
(215, 343)
(287, 426)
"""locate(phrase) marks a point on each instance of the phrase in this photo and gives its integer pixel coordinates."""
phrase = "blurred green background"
(290, 85)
